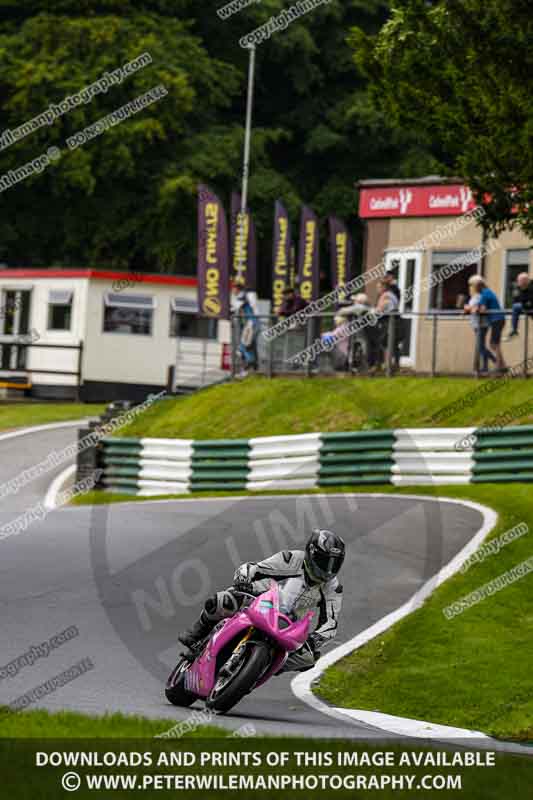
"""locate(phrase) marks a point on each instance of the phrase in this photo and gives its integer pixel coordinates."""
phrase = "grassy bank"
(472, 671)
(262, 407)
(22, 415)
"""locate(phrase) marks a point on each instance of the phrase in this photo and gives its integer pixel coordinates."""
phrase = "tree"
(104, 203)
(128, 197)
(461, 73)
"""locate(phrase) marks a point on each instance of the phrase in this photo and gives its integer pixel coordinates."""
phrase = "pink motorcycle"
(242, 653)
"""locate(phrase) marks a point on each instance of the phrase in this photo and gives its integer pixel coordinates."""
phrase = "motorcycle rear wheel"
(233, 690)
(175, 690)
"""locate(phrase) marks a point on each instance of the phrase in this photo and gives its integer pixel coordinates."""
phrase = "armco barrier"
(403, 457)
(503, 455)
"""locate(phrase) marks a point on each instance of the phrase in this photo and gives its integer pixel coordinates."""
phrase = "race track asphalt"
(130, 576)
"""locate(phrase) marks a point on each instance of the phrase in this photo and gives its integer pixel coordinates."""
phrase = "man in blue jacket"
(489, 305)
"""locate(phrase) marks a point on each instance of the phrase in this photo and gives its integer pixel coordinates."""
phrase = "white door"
(407, 266)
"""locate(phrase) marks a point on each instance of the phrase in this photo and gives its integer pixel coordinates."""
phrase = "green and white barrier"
(403, 457)
(432, 456)
(503, 455)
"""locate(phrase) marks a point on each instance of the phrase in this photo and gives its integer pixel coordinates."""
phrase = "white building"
(104, 335)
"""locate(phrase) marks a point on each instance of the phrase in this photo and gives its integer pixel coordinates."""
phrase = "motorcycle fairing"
(264, 615)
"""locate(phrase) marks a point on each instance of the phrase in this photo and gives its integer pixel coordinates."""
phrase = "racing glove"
(243, 578)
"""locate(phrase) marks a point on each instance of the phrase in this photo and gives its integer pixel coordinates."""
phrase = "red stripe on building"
(107, 275)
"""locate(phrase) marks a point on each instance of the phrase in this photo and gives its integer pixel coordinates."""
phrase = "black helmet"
(324, 554)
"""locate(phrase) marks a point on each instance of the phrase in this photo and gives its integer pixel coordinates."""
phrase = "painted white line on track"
(50, 500)
(410, 727)
(55, 486)
(301, 684)
(231, 498)
(37, 428)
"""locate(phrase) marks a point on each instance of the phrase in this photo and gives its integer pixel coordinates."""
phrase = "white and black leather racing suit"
(287, 567)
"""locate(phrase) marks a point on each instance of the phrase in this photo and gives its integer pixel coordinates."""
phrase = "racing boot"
(198, 631)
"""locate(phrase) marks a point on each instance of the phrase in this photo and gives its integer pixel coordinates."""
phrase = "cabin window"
(128, 313)
(60, 309)
(186, 322)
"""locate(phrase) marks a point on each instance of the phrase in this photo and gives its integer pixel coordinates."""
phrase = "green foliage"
(460, 72)
(128, 197)
(102, 203)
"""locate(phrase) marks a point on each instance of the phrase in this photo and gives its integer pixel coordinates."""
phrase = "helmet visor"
(325, 565)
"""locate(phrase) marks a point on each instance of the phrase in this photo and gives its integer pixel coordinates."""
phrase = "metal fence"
(13, 362)
(425, 343)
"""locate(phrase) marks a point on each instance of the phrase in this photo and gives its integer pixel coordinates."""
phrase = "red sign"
(415, 201)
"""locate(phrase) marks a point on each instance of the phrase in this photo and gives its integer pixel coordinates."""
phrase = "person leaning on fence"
(480, 326)
(522, 302)
(490, 306)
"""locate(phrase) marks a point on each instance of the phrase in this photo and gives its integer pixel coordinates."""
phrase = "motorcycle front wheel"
(229, 689)
(175, 689)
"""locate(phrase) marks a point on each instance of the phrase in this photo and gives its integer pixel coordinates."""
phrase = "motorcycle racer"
(309, 579)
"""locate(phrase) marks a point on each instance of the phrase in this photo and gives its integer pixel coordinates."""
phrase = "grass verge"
(67, 724)
(22, 415)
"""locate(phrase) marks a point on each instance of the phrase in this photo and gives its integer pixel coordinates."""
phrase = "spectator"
(359, 305)
(243, 294)
(292, 302)
(490, 305)
(388, 303)
(522, 302)
(399, 331)
(392, 283)
(339, 353)
(249, 327)
(387, 298)
(480, 326)
(366, 342)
